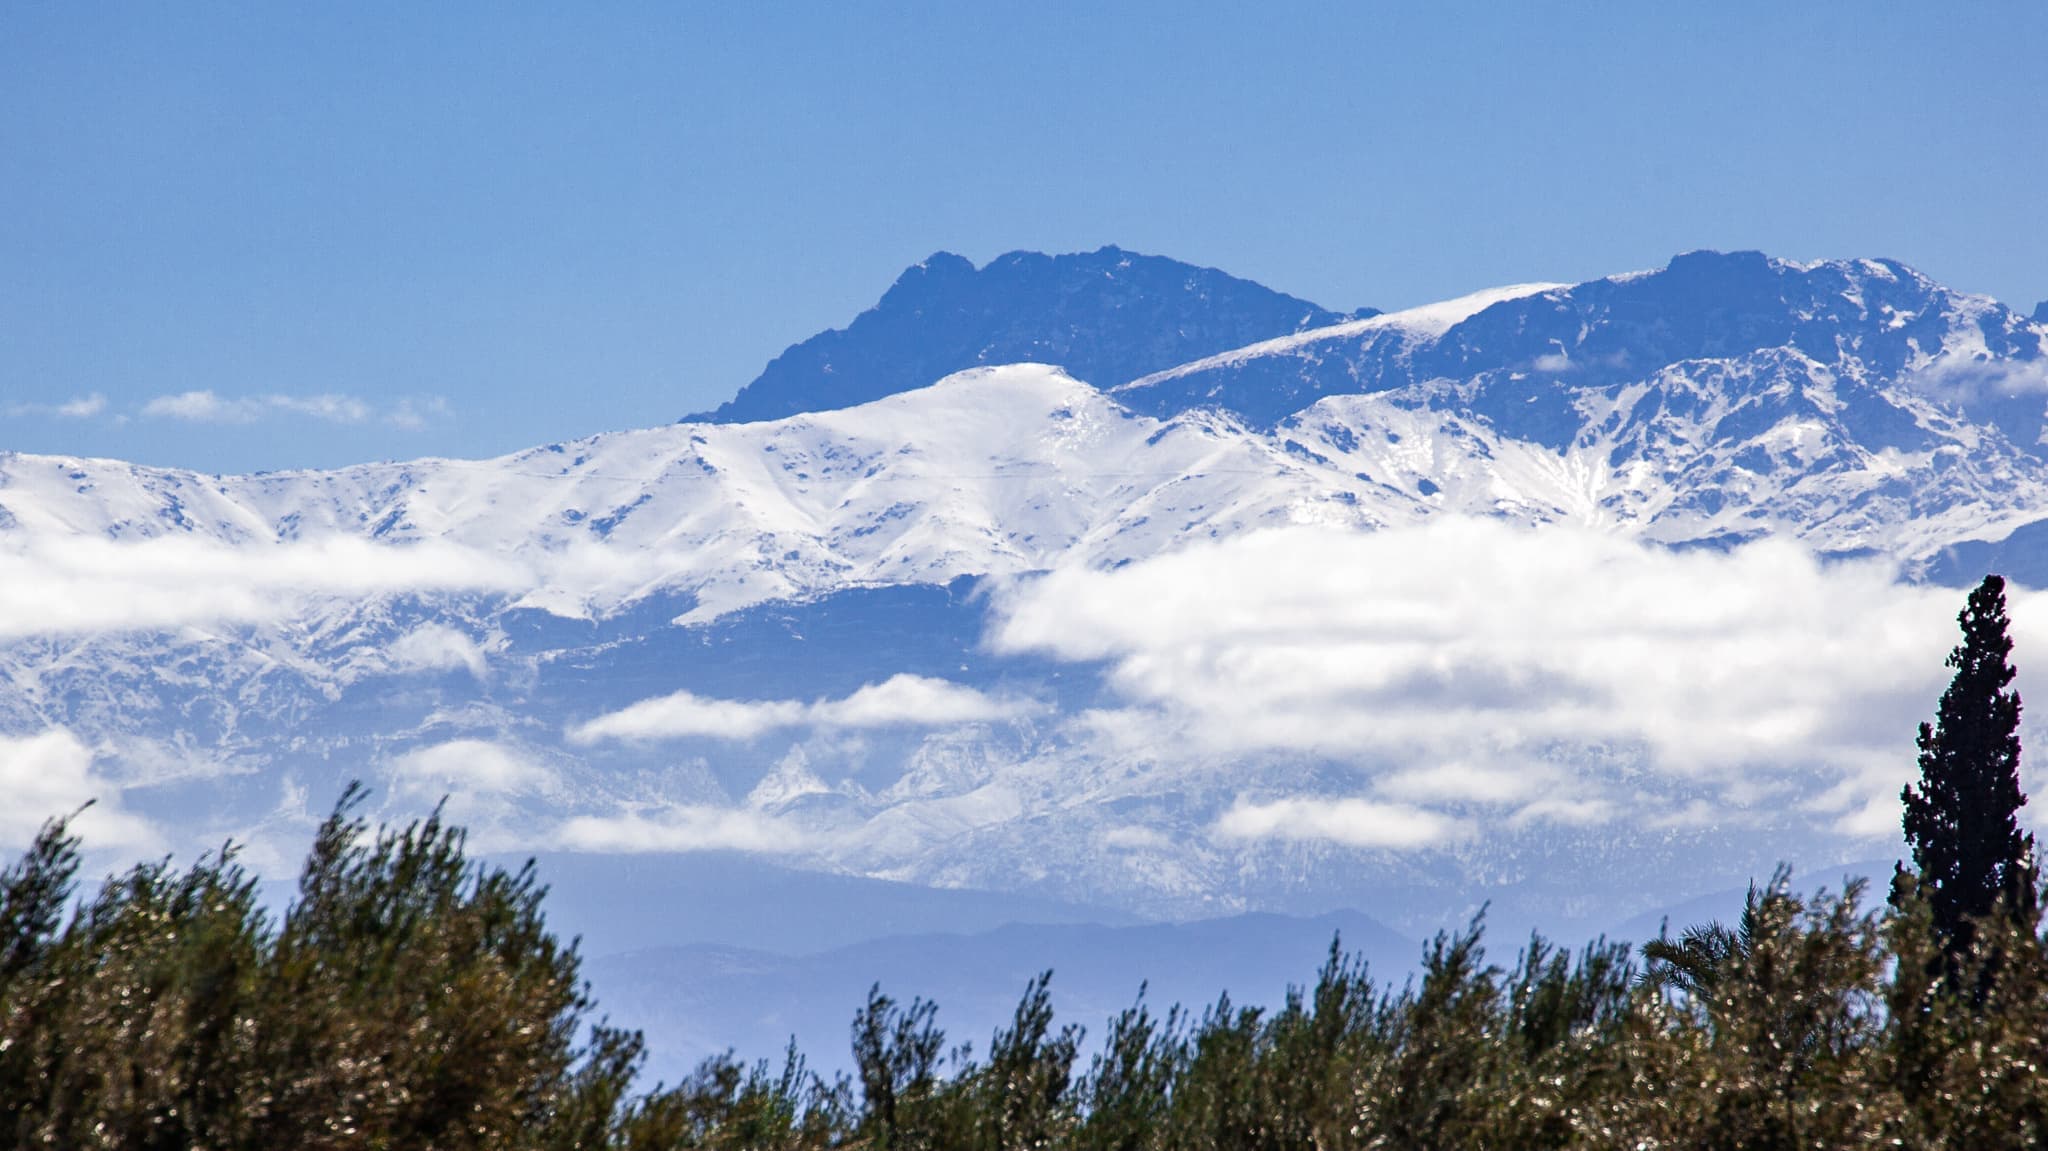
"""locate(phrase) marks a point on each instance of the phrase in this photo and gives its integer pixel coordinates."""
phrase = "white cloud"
(202, 407)
(684, 714)
(683, 827)
(72, 584)
(916, 701)
(206, 406)
(333, 408)
(211, 408)
(1134, 837)
(1960, 376)
(437, 647)
(76, 408)
(1473, 662)
(414, 413)
(1351, 822)
(470, 766)
(900, 701)
(51, 774)
(480, 785)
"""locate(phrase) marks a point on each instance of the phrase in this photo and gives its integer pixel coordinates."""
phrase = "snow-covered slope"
(991, 471)
(1534, 353)
(1407, 328)
(1021, 468)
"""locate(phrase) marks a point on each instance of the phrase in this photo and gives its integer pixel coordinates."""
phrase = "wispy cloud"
(682, 827)
(471, 766)
(206, 406)
(414, 413)
(209, 407)
(1351, 822)
(74, 584)
(76, 408)
(437, 647)
(1478, 667)
(480, 783)
(1967, 379)
(900, 701)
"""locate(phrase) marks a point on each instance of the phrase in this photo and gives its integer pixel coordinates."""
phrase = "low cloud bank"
(81, 584)
(60, 584)
(900, 701)
(1475, 665)
(1351, 822)
(469, 767)
(682, 827)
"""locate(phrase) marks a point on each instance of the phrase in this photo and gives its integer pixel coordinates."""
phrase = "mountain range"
(1098, 580)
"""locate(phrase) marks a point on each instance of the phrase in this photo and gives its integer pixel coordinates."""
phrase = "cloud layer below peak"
(899, 701)
(1479, 666)
(81, 584)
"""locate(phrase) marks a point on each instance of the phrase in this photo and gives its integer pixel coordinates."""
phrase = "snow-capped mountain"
(829, 636)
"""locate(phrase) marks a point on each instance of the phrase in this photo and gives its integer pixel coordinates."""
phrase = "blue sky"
(263, 236)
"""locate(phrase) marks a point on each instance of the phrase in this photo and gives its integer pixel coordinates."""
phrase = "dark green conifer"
(1962, 820)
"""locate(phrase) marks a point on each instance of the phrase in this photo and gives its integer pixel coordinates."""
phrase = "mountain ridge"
(1106, 316)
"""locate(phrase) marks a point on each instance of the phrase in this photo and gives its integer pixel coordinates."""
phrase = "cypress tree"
(1962, 821)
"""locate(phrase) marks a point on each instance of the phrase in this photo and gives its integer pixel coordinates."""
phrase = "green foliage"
(1967, 1069)
(32, 895)
(408, 998)
(897, 1051)
(1128, 1089)
(726, 1105)
(411, 998)
(1021, 1096)
(1778, 1041)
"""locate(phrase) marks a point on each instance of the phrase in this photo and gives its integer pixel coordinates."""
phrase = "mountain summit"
(1105, 317)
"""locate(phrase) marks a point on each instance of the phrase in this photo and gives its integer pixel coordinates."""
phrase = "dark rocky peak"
(2041, 313)
(1105, 316)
